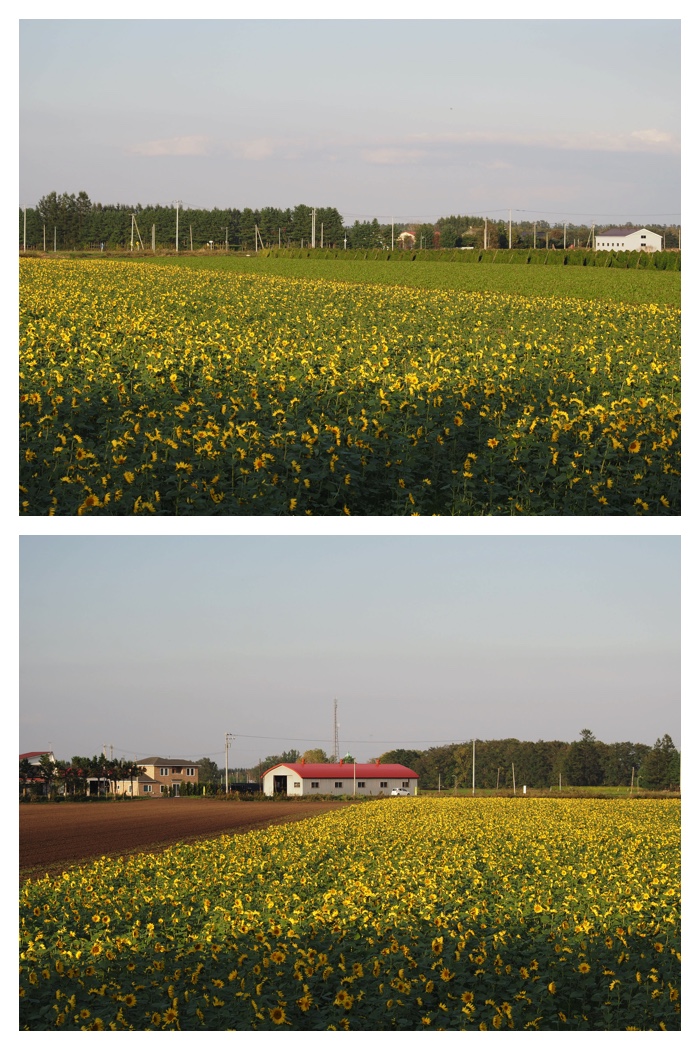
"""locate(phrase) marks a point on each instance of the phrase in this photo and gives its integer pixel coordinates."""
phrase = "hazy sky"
(161, 645)
(566, 119)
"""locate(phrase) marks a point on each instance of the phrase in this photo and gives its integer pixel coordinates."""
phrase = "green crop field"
(202, 387)
(550, 915)
(579, 282)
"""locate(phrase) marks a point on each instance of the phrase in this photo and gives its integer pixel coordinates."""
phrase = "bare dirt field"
(52, 837)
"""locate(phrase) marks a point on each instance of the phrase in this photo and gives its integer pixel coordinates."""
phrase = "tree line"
(585, 762)
(72, 221)
(73, 778)
(66, 221)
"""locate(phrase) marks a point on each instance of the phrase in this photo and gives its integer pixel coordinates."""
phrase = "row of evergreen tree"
(69, 221)
(586, 762)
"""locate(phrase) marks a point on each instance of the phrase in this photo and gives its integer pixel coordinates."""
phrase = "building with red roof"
(338, 778)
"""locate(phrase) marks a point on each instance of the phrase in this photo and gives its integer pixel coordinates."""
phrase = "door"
(280, 785)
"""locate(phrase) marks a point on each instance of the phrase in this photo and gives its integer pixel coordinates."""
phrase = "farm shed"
(338, 778)
(628, 239)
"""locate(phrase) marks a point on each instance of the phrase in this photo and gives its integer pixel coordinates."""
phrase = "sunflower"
(277, 1015)
(343, 999)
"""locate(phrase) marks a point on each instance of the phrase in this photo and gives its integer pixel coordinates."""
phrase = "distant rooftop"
(620, 231)
(156, 761)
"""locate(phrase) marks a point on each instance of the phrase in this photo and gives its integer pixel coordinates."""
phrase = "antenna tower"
(336, 745)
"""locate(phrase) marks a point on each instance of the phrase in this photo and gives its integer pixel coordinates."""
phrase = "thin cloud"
(256, 149)
(180, 146)
(389, 155)
(650, 140)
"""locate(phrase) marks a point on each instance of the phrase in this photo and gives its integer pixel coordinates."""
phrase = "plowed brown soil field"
(52, 837)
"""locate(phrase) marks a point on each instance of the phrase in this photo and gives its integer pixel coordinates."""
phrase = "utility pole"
(392, 233)
(44, 238)
(177, 225)
(138, 232)
(322, 235)
(54, 238)
(513, 765)
(227, 238)
(498, 777)
(313, 227)
(279, 237)
(565, 236)
(593, 237)
(510, 228)
(153, 238)
(534, 235)
(229, 738)
(25, 227)
(345, 242)
(486, 232)
(473, 766)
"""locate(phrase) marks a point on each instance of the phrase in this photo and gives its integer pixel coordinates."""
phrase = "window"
(297, 784)
(360, 783)
(164, 772)
(162, 788)
(383, 783)
(314, 783)
(177, 769)
(339, 783)
(189, 771)
(404, 783)
(147, 788)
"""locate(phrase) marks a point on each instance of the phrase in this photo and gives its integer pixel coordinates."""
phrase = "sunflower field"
(414, 914)
(148, 389)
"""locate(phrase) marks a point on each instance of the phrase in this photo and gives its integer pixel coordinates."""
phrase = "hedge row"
(531, 256)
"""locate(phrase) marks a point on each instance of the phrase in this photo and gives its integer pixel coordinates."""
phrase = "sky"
(568, 119)
(161, 645)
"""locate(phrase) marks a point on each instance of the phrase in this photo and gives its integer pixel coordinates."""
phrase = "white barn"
(628, 239)
(338, 778)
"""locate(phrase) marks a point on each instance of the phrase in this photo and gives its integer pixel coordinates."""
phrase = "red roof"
(347, 770)
(34, 754)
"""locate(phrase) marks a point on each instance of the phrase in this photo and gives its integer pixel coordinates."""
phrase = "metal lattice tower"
(336, 745)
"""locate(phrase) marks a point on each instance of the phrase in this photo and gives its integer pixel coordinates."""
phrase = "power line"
(296, 740)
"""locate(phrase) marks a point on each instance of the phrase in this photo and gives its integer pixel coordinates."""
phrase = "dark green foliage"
(209, 772)
(582, 766)
(661, 766)
(402, 756)
(586, 763)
